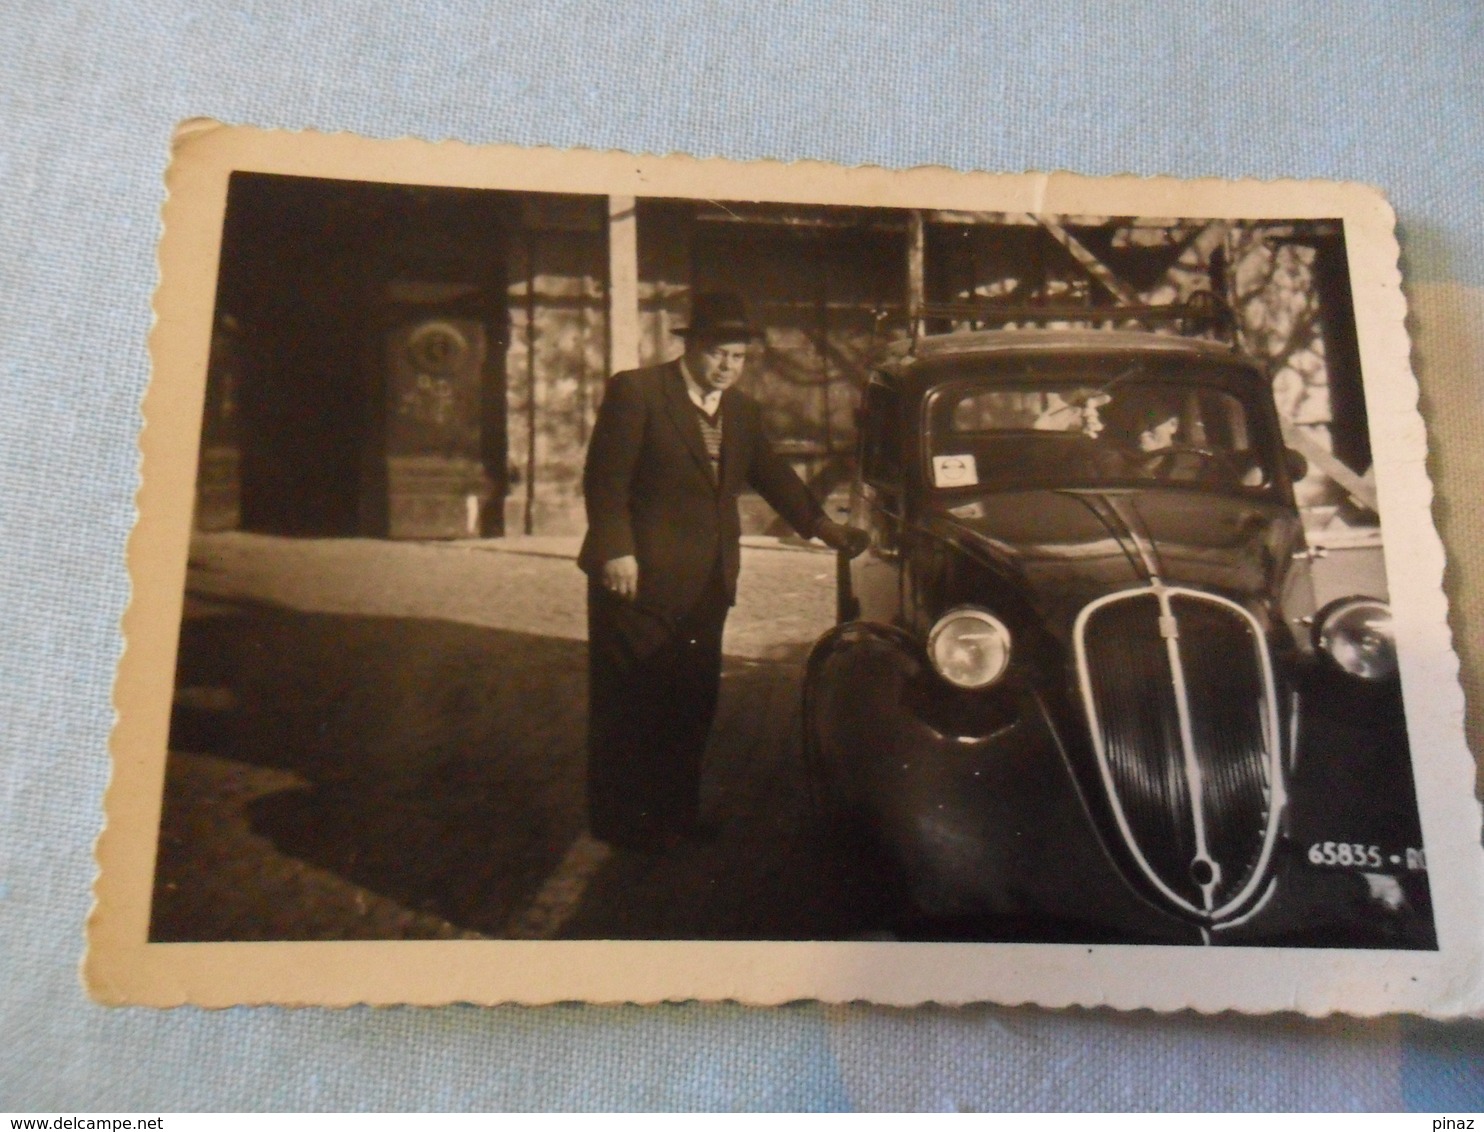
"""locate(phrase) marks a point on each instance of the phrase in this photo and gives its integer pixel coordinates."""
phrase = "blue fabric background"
(89, 92)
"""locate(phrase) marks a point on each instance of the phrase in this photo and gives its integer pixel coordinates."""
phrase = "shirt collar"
(704, 399)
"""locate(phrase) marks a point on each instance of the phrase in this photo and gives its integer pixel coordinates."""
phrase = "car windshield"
(1097, 425)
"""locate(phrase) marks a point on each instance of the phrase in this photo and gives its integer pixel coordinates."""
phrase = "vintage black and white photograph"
(574, 565)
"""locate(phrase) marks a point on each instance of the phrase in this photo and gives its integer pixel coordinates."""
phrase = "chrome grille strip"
(1169, 629)
(1271, 741)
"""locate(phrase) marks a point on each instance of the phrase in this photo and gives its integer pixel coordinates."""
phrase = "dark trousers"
(652, 688)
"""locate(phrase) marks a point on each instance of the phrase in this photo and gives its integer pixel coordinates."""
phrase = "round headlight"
(1356, 634)
(969, 648)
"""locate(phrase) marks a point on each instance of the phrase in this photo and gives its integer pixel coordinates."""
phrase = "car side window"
(881, 437)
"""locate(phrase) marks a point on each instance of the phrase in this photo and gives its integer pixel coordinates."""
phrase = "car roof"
(911, 357)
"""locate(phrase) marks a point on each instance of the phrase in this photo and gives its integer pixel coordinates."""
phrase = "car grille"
(1133, 692)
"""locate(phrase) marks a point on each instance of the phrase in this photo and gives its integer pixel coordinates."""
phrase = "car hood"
(1067, 547)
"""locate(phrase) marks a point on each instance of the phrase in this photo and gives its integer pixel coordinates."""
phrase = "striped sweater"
(711, 434)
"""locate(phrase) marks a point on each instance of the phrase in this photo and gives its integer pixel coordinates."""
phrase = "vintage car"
(1079, 689)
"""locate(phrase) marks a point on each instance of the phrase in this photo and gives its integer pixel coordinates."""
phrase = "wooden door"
(436, 481)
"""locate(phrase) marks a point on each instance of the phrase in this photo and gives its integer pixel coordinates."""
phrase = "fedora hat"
(719, 315)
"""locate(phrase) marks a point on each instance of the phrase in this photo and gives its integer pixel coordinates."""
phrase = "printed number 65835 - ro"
(1347, 854)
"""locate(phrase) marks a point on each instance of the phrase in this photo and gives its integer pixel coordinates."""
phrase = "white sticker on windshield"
(955, 471)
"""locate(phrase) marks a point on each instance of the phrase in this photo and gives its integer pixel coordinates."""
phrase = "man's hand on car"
(846, 540)
(621, 576)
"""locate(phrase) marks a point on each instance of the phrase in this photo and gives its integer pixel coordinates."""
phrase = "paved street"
(385, 740)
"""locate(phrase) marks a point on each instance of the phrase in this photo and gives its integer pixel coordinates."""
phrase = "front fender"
(884, 656)
(968, 795)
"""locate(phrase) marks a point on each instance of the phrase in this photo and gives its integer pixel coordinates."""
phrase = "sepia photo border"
(123, 967)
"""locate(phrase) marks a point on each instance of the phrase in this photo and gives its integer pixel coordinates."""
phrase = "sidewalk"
(527, 584)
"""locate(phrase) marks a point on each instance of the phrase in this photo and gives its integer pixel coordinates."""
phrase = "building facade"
(415, 362)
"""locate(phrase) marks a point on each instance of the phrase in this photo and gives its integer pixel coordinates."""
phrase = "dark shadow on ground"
(440, 763)
(437, 766)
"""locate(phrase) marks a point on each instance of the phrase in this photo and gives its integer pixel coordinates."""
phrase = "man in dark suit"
(673, 447)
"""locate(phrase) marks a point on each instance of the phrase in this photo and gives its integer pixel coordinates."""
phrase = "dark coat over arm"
(650, 490)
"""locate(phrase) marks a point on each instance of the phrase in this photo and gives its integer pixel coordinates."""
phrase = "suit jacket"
(650, 490)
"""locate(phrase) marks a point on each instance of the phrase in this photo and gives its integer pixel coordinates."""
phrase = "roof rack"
(1203, 313)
